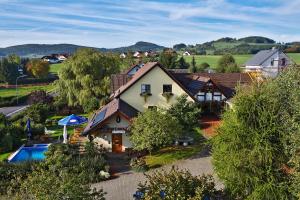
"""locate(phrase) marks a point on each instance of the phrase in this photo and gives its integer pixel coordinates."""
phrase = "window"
(283, 61)
(208, 96)
(145, 88)
(217, 96)
(201, 96)
(272, 62)
(167, 88)
(152, 107)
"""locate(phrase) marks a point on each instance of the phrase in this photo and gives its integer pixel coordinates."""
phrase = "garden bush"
(38, 113)
(39, 96)
(177, 184)
(10, 137)
(138, 164)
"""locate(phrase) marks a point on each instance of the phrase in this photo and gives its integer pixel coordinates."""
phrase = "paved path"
(10, 111)
(122, 187)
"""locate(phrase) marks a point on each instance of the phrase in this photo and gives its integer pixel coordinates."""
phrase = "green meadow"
(22, 91)
(212, 60)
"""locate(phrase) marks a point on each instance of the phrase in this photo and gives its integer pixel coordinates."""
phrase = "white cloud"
(119, 23)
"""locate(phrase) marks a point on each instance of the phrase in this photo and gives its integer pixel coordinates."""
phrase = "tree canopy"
(182, 64)
(8, 71)
(154, 129)
(255, 151)
(84, 79)
(186, 112)
(227, 64)
(38, 68)
(168, 58)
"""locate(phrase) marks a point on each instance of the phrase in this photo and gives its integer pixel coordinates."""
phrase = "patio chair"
(47, 132)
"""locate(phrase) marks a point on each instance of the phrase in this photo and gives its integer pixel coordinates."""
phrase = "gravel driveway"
(122, 187)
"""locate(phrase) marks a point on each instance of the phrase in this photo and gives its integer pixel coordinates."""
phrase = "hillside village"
(124, 113)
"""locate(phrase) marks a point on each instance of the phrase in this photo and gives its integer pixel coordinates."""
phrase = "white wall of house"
(156, 78)
(105, 138)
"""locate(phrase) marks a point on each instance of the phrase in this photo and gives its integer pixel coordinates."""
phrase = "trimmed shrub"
(138, 164)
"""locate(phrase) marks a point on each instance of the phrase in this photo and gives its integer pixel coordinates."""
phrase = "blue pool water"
(35, 152)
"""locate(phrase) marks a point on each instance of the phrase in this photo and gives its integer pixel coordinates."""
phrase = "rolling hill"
(38, 50)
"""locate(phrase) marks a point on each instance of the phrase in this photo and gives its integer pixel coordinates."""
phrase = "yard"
(54, 68)
(212, 60)
(24, 90)
(171, 154)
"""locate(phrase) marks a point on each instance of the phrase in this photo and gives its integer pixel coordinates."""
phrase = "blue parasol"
(71, 120)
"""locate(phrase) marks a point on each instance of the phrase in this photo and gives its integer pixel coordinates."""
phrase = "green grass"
(171, 154)
(295, 57)
(4, 156)
(22, 91)
(54, 68)
(59, 129)
(212, 60)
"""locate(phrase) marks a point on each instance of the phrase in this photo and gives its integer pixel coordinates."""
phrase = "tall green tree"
(8, 71)
(186, 112)
(168, 58)
(154, 129)
(84, 79)
(255, 151)
(182, 64)
(14, 58)
(38, 68)
(227, 64)
(193, 67)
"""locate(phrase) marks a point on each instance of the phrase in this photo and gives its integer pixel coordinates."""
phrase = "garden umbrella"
(72, 120)
(28, 128)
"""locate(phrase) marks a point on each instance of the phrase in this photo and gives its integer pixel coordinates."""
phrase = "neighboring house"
(123, 55)
(137, 54)
(186, 53)
(154, 86)
(133, 69)
(62, 57)
(268, 63)
(50, 59)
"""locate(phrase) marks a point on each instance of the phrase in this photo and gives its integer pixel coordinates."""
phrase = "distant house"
(122, 55)
(62, 57)
(186, 53)
(50, 59)
(268, 63)
(137, 54)
(133, 69)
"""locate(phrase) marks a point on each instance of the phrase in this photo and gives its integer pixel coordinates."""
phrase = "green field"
(212, 60)
(54, 68)
(7, 92)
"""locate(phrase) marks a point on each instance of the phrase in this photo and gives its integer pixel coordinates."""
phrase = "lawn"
(22, 91)
(171, 154)
(54, 68)
(212, 60)
(4, 156)
(58, 130)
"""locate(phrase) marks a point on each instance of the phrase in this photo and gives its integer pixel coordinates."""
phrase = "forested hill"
(37, 50)
(247, 45)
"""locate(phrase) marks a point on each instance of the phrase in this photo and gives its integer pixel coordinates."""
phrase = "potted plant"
(167, 95)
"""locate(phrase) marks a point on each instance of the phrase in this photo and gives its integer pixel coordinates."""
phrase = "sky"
(116, 23)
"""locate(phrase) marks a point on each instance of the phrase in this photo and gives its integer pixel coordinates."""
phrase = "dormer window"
(167, 88)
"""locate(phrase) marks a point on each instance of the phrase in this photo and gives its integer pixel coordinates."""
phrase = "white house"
(186, 53)
(122, 55)
(268, 62)
(136, 54)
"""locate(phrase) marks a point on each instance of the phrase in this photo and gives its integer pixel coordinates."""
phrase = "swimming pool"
(29, 153)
